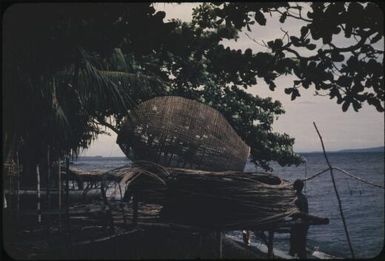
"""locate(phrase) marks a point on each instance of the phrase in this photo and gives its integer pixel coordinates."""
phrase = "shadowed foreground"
(144, 244)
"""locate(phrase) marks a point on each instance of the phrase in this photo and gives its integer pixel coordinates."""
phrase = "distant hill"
(99, 157)
(363, 150)
(373, 149)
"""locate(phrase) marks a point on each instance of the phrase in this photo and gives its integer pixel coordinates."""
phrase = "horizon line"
(319, 151)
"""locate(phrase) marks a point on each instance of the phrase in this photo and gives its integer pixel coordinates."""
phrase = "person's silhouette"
(299, 230)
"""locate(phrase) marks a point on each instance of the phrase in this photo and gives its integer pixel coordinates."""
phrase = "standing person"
(299, 230)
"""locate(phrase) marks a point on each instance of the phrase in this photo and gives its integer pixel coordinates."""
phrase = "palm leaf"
(118, 61)
(138, 82)
(99, 90)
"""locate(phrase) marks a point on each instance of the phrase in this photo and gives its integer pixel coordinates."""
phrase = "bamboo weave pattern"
(178, 132)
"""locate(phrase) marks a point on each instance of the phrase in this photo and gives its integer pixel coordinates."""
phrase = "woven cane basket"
(179, 132)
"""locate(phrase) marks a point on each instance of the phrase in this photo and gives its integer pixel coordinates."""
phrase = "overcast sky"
(340, 130)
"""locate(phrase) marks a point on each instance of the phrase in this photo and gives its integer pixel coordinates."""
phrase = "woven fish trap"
(179, 132)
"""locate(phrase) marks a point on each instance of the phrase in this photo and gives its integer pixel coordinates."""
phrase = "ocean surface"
(363, 205)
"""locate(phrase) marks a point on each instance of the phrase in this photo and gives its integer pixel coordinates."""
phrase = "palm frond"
(118, 60)
(146, 85)
(100, 90)
(61, 118)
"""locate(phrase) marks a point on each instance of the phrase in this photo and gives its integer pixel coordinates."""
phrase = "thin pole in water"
(304, 189)
(335, 189)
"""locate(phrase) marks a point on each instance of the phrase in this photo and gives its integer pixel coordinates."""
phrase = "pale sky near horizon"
(340, 130)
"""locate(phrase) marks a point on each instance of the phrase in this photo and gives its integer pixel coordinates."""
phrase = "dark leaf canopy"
(70, 68)
(360, 59)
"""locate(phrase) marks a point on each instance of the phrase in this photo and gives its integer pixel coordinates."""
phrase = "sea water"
(362, 204)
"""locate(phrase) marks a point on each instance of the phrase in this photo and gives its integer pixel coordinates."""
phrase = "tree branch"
(106, 124)
(335, 48)
(293, 16)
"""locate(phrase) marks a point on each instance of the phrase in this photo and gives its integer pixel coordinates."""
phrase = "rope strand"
(343, 172)
(357, 178)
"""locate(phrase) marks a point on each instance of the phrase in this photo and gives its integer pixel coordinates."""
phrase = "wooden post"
(67, 202)
(47, 219)
(270, 253)
(336, 191)
(304, 189)
(106, 204)
(121, 204)
(38, 194)
(219, 237)
(59, 195)
(11, 194)
(48, 178)
(135, 207)
(18, 186)
(67, 185)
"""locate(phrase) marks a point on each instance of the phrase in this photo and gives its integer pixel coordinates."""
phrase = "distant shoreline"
(363, 150)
